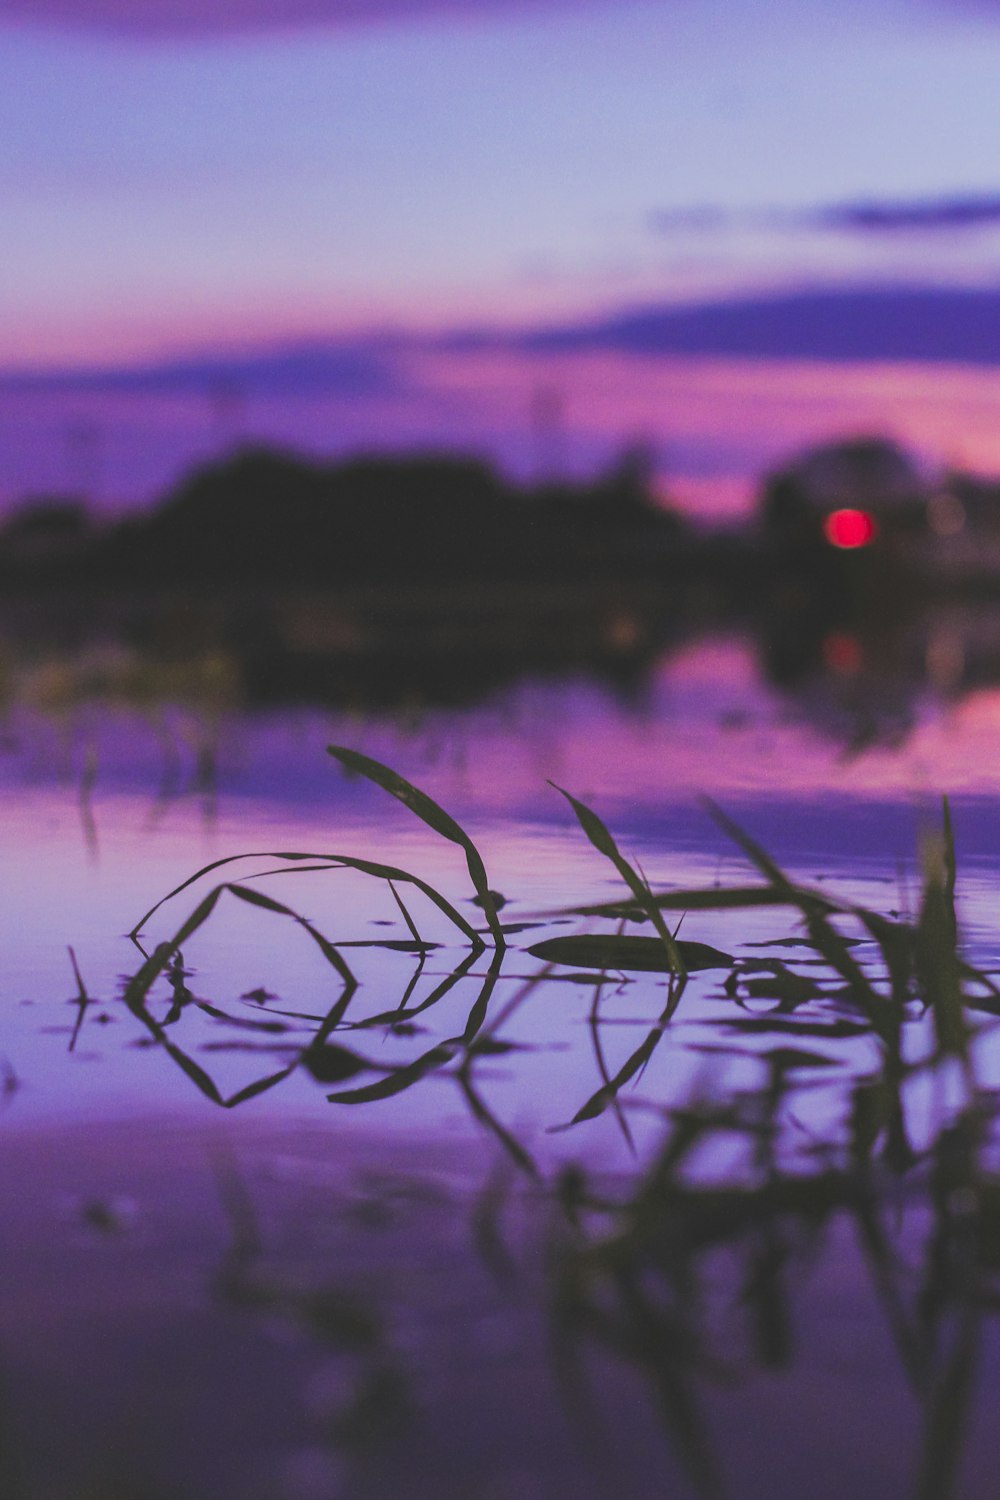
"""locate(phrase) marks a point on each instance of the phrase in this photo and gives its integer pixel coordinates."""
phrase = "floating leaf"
(786, 1058)
(787, 1026)
(594, 951)
(332, 1064)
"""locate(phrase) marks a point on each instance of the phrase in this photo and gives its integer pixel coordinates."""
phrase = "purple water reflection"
(113, 800)
(188, 1257)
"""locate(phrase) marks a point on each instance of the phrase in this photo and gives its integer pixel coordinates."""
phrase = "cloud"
(893, 216)
(874, 324)
(349, 370)
(948, 213)
(702, 218)
(205, 18)
(927, 324)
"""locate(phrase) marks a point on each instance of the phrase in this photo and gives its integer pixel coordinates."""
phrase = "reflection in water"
(653, 1278)
(810, 1118)
(373, 1397)
(839, 1085)
(858, 681)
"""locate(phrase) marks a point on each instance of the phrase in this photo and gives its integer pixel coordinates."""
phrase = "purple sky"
(176, 173)
(189, 181)
(162, 18)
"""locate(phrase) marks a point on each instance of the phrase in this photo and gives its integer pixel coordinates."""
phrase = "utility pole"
(548, 432)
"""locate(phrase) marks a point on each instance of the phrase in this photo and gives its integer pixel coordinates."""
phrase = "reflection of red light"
(842, 653)
(850, 528)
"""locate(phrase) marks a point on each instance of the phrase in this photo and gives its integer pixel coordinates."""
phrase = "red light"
(850, 528)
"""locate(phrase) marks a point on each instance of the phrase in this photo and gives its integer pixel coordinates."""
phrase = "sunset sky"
(198, 182)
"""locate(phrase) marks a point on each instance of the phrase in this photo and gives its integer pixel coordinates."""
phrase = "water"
(737, 1277)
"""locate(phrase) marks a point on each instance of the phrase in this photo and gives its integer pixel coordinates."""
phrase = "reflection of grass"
(640, 1275)
(375, 1398)
(182, 704)
(635, 1272)
(166, 955)
(322, 1058)
(915, 962)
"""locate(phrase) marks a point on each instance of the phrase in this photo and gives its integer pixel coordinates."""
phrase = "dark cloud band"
(179, 18)
(869, 216)
(886, 323)
(858, 325)
(893, 217)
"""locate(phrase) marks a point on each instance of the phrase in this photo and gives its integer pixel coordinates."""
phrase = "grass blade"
(307, 860)
(936, 951)
(601, 838)
(712, 898)
(824, 937)
(428, 811)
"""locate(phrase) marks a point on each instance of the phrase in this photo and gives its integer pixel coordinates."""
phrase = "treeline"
(269, 518)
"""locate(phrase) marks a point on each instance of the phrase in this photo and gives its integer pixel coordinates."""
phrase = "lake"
(330, 1197)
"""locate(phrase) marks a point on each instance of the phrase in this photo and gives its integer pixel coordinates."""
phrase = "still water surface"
(725, 1282)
